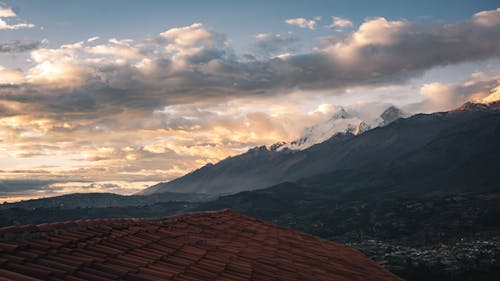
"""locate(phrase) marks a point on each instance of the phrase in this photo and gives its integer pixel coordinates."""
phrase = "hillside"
(261, 167)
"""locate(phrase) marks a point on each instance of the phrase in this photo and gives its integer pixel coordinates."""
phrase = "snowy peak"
(475, 107)
(341, 114)
(279, 146)
(361, 128)
(339, 122)
(344, 122)
(389, 115)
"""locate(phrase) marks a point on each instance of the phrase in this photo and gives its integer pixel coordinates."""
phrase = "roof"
(216, 245)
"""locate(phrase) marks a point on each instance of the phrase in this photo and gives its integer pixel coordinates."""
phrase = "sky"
(114, 96)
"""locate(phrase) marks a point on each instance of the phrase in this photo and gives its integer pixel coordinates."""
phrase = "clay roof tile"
(215, 245)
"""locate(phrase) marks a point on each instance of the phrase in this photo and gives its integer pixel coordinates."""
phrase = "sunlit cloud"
(339, 23)
(135, 111)
(92, 39)
(10, 76)
(487, 18)
(115, 47)
(303, 23)
(444, 96)
(8, 13)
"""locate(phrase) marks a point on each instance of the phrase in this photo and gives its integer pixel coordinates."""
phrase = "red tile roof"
(219, 245)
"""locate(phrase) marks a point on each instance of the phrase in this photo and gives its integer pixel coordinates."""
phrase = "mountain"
(339, 122)
(261, 167)
(389, 115)
(104, 200)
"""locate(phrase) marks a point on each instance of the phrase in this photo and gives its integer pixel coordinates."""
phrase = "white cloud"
(120, 48)
(445, 96)
(487, 18)
(5, 25)
(187, 36)
(302, 22)
(378, 31)
(6, 12)
(340, 23)
(493, 96)
(10, 76)
(9, 13)
(92, 39)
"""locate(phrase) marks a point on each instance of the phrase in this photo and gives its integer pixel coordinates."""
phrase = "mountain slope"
(261, 167)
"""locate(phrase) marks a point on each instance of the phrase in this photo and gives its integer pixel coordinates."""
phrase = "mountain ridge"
(261, 167)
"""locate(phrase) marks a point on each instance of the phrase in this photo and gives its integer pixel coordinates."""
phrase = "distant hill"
(104, 200)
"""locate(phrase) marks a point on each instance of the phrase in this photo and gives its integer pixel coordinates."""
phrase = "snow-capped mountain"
(340, 122)
(389, 115)
(392, 144)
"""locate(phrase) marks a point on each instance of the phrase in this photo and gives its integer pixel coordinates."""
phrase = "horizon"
(145, 93)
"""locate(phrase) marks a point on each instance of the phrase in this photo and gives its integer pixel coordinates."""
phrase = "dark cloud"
(19, 46)
(6, 112)
(7, 186)
(274, 44)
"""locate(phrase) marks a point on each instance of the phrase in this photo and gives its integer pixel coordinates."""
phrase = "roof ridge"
(21, 232)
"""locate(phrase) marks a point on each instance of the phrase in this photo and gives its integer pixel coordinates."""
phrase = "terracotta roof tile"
(217, 245)
(143, 277)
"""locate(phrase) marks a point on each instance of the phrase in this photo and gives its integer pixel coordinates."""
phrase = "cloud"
(92, 39)
(487, 18)
(9, 13)
(274, 44)
(18, 46)
(152, 110)
(10, 76)
(5, 25)
(192, 36)
(115, 47)
(493, 96)
(340, 23)
(22, 185)
(302, 22)
(445, 96)
(193, 63)
(6, 12)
